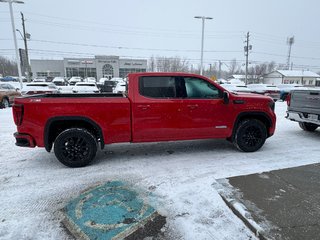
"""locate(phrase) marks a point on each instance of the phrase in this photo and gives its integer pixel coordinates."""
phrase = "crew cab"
(156, 107)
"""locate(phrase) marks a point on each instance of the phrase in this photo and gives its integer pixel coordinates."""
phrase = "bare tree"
(8, 67)
(166, 64)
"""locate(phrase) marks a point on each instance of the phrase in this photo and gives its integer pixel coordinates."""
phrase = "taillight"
(17, 110)
(288, 99)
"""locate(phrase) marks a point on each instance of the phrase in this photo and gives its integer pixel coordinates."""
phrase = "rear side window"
(157, 87)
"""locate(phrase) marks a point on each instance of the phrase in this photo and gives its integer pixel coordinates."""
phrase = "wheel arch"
(263, 117)
(54, 126)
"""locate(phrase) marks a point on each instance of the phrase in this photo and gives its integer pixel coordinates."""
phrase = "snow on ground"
(175, 177)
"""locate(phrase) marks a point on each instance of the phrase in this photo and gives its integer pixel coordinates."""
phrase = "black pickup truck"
(304, 108)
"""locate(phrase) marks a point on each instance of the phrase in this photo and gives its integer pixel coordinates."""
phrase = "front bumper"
(303, 117)
(24, 140)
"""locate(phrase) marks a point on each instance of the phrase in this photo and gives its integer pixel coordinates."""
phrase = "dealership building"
(98, 67)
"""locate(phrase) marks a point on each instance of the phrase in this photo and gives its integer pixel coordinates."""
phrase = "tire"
(75, 147)
(310, 127)
(250, 135)
(5, 103)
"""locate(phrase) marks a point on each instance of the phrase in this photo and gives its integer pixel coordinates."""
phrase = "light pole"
(202, 39)
(14, 36)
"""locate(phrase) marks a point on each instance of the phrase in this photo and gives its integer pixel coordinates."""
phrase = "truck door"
(205, 115)
(156, 110)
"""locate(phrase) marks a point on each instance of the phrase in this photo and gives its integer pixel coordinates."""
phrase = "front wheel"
(5, 103)
(310, 127)
(250, 135)
(75, 147)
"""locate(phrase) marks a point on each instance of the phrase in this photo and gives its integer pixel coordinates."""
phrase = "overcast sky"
(142, 28)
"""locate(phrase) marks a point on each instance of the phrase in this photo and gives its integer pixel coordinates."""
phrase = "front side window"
(200, 89)
(157, 87)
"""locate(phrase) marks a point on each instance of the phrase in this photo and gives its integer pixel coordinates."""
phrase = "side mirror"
(17, 89)
(225, 97)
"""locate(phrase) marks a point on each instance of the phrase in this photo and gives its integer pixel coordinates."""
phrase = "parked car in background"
(107, 86)
(39, 79)
(304, 108)
(266, 89)
(120, 87)
(236, 88)
(90, 79)
(8, 79)
(85, 87)
(59, 81)
(73, 80)
(7, 95)
(285, 89)
(39, 88)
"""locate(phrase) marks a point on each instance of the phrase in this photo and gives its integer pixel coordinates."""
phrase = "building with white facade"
(98, 67)
(292, 76)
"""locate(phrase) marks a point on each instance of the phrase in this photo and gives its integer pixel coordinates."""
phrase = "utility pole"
(247, 47)
(25, 37)
(203, 18)
(290, 42)
(219, 72)
(14, 36)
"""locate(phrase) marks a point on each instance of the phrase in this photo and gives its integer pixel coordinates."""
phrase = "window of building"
(107, 71)
(310, 82)
(49, 74)
(123, 72)
(81, 72)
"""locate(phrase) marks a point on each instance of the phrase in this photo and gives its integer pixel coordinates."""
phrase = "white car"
(85, 87)
(59, 81)
(90, 79)
(39, 88)
(266, 89)
(39, 79)
(237, 88)
(73, 80)
(120, 87)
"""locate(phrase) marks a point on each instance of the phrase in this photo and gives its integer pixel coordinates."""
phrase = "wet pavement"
(281, 204)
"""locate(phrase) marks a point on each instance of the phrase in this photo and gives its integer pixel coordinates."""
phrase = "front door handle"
(193, 106)
(143, 107)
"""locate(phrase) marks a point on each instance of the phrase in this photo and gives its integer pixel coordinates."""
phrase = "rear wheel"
(75, 147)
(5, 103)
(250, 135)
(310, 127)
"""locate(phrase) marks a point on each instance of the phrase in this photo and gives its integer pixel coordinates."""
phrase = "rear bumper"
(24, 140)
(303, 117)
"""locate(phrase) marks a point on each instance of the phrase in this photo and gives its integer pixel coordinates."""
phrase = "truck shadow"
(129, 151)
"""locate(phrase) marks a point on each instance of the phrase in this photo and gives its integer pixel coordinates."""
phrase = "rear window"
(157, 87)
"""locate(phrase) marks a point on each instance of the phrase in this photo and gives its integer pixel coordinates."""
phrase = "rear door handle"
(143, 107)
(193, 106)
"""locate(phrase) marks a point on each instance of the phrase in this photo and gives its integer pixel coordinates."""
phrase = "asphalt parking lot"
(284, 203)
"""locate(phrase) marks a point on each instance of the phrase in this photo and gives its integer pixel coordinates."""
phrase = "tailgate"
(305, 101)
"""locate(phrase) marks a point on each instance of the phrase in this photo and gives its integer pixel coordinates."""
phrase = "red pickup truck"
(155, 107)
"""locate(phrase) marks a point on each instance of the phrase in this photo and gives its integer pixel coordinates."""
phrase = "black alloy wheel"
(310, 127)
(75, 147)
(250, 135)
(5, 103)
